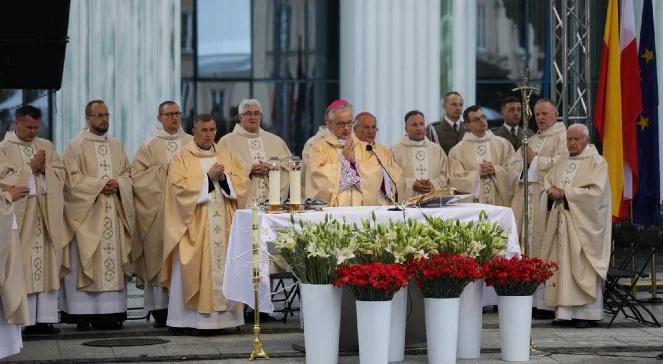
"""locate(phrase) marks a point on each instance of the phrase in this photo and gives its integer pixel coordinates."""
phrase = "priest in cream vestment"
(379, 171)
(204, 185)
(149, 172)
(254, 147)
(13, 294)
(336, 162)
(100, 219)
(323, 131)
(482, 163)
(578, 231)
(423, 162)
(546, 147)
(32, 161)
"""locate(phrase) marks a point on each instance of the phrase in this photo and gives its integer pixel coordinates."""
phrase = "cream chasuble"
(578, 237)
(40, 214)
(197, 223)
(420, 160)
(252, 148)
(101, 224)
(464, 164)
(13, 293)
(149, 172)
(322, 132)
(327, 182)
(372, 176)
(549, 146)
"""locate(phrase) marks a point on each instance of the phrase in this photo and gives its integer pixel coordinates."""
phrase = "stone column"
(390, 60)
(126, 53)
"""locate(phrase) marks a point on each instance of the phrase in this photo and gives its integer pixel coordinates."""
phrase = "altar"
(238, 284)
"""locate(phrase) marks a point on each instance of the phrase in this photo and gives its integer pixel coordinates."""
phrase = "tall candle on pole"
(258, 351)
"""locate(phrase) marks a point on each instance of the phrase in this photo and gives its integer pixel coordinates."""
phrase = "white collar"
(451, 122)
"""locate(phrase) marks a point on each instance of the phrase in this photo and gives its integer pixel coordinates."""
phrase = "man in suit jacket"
(450, 131)
(511, 130)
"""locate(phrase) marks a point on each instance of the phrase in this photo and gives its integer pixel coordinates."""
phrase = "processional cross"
(525, 93)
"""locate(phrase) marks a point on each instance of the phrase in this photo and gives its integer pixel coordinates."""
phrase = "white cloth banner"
(237, 283)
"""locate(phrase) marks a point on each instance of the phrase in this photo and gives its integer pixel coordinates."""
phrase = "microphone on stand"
(369, 148)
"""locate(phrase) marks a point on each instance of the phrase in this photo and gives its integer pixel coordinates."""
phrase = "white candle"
(295, 187)
(255, 236)
(275, 187)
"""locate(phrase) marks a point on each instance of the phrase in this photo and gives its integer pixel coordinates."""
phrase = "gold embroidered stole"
(172, 146)
(420, 162)
(110, 268)
(37, 250)
(258, 155)
(216, 222)
(486, 185)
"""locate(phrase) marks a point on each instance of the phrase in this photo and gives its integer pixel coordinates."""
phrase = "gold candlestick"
(257, 352)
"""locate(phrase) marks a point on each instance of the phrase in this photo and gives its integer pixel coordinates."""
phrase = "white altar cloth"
(237, 282)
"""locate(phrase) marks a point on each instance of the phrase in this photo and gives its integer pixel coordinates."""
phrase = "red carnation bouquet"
(444, 275)
(373, 281)
(518, 276)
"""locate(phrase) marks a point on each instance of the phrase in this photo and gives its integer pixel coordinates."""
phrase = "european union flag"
(647, 200)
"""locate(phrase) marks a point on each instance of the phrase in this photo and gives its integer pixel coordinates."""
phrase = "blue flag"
(647, 200)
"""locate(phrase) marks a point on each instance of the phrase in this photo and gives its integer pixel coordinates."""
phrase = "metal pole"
(257, 352)
(525, 93)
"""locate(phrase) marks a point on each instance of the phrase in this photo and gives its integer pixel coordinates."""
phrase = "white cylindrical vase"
(441, 329)
(397, 330)
(515, 319)
(470, 321)
(321, 307)
(373, 331)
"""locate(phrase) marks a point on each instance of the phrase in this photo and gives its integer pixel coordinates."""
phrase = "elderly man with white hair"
(254, 146)
(577, 235)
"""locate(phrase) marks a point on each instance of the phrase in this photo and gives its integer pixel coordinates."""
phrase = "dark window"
(284, 53)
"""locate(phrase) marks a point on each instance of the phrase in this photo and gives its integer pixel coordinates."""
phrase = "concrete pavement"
(627, 341)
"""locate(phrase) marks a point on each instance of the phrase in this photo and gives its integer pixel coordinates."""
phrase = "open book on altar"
(437, 198)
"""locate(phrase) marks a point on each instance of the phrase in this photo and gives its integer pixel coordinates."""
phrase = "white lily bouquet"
(395, 242)
(314, 250)
(481, 240)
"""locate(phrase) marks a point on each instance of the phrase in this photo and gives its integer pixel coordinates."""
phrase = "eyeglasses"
(171, 114)
(252, 113)
(344, 124)
(100, 115)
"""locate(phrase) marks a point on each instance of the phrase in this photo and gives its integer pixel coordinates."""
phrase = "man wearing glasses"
(378, 183)
(254, 147)
(483, 164)
(99, 213)
(149, 173)
(332, 167)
